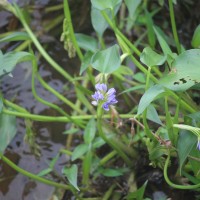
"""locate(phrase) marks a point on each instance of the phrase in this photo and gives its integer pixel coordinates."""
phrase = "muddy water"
(15, 186)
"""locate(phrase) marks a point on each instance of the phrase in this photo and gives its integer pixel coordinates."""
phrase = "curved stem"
(39, 46)
(59, 96)
(182, 187)
(33, 176)
(173, 23)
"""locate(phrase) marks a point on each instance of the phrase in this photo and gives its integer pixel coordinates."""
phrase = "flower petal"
(101, 87)
(94, 103)
(105, 106)
(111, 91)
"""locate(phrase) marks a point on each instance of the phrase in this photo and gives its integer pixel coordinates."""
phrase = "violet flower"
(103, 96)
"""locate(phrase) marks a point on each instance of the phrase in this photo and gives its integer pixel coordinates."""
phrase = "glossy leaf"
(185, 71)
(9, 60)
(149, 96)
(79, 151)
(86, 61)
(16, 36)
(102, 5)
(150, 31)
(138, 194)
(112, 172)
(71, 174)
(90, 131)
(132, 6)
(98, 22)
(195, 163)
(196, 38)
(152, 115)
(86, 42)
(7, 130)
(44, 172)
(107, 61)
(151, 58)
(186, 141)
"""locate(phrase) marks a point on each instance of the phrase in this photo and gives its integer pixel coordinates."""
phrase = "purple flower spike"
(106, 98)
(111, 91)
(101, 87)
(198, 144)
(105, 106)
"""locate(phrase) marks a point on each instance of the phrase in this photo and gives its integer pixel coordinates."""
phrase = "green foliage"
(150, 95)
(184, 73)
(106, 61)
(86, 42)
(196, 38)
(16, 36)
(138, 194)
(9, 60)
(151, 58)
(7, 130)
(71, 174)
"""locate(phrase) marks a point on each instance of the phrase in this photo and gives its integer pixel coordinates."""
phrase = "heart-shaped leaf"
(107, 61)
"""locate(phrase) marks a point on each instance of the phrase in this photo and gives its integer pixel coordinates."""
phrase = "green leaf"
(149, 96)
(53, 161)
(71, 174)
(102, 5)
(194, 163)
(86, 42)
(16, 36)
(185, 71)
(151, 58)
(150, 31)
(138, 194)
(86, 61)
(98, 21)
(196, 38)
(152, 115)
(98, 142)
(44, 172)
(137, 87)
(132, 6)
(140, 77)
(7, 130)
(90, 131)
(9, 60)
(112, 172)
(87, 162)
(107, 61)
(186, 141)
(80, 150)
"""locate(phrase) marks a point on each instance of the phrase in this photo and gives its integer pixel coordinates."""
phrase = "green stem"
(33, 176)
(173, 23)
(109, 156)
(182, 187)
(39, 46)
(59, 96)
(51, 105)
(45, 118)
(71, 29)
(120, 34)
(111, 143)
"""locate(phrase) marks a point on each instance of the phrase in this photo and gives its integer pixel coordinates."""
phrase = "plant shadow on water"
(49, 137)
